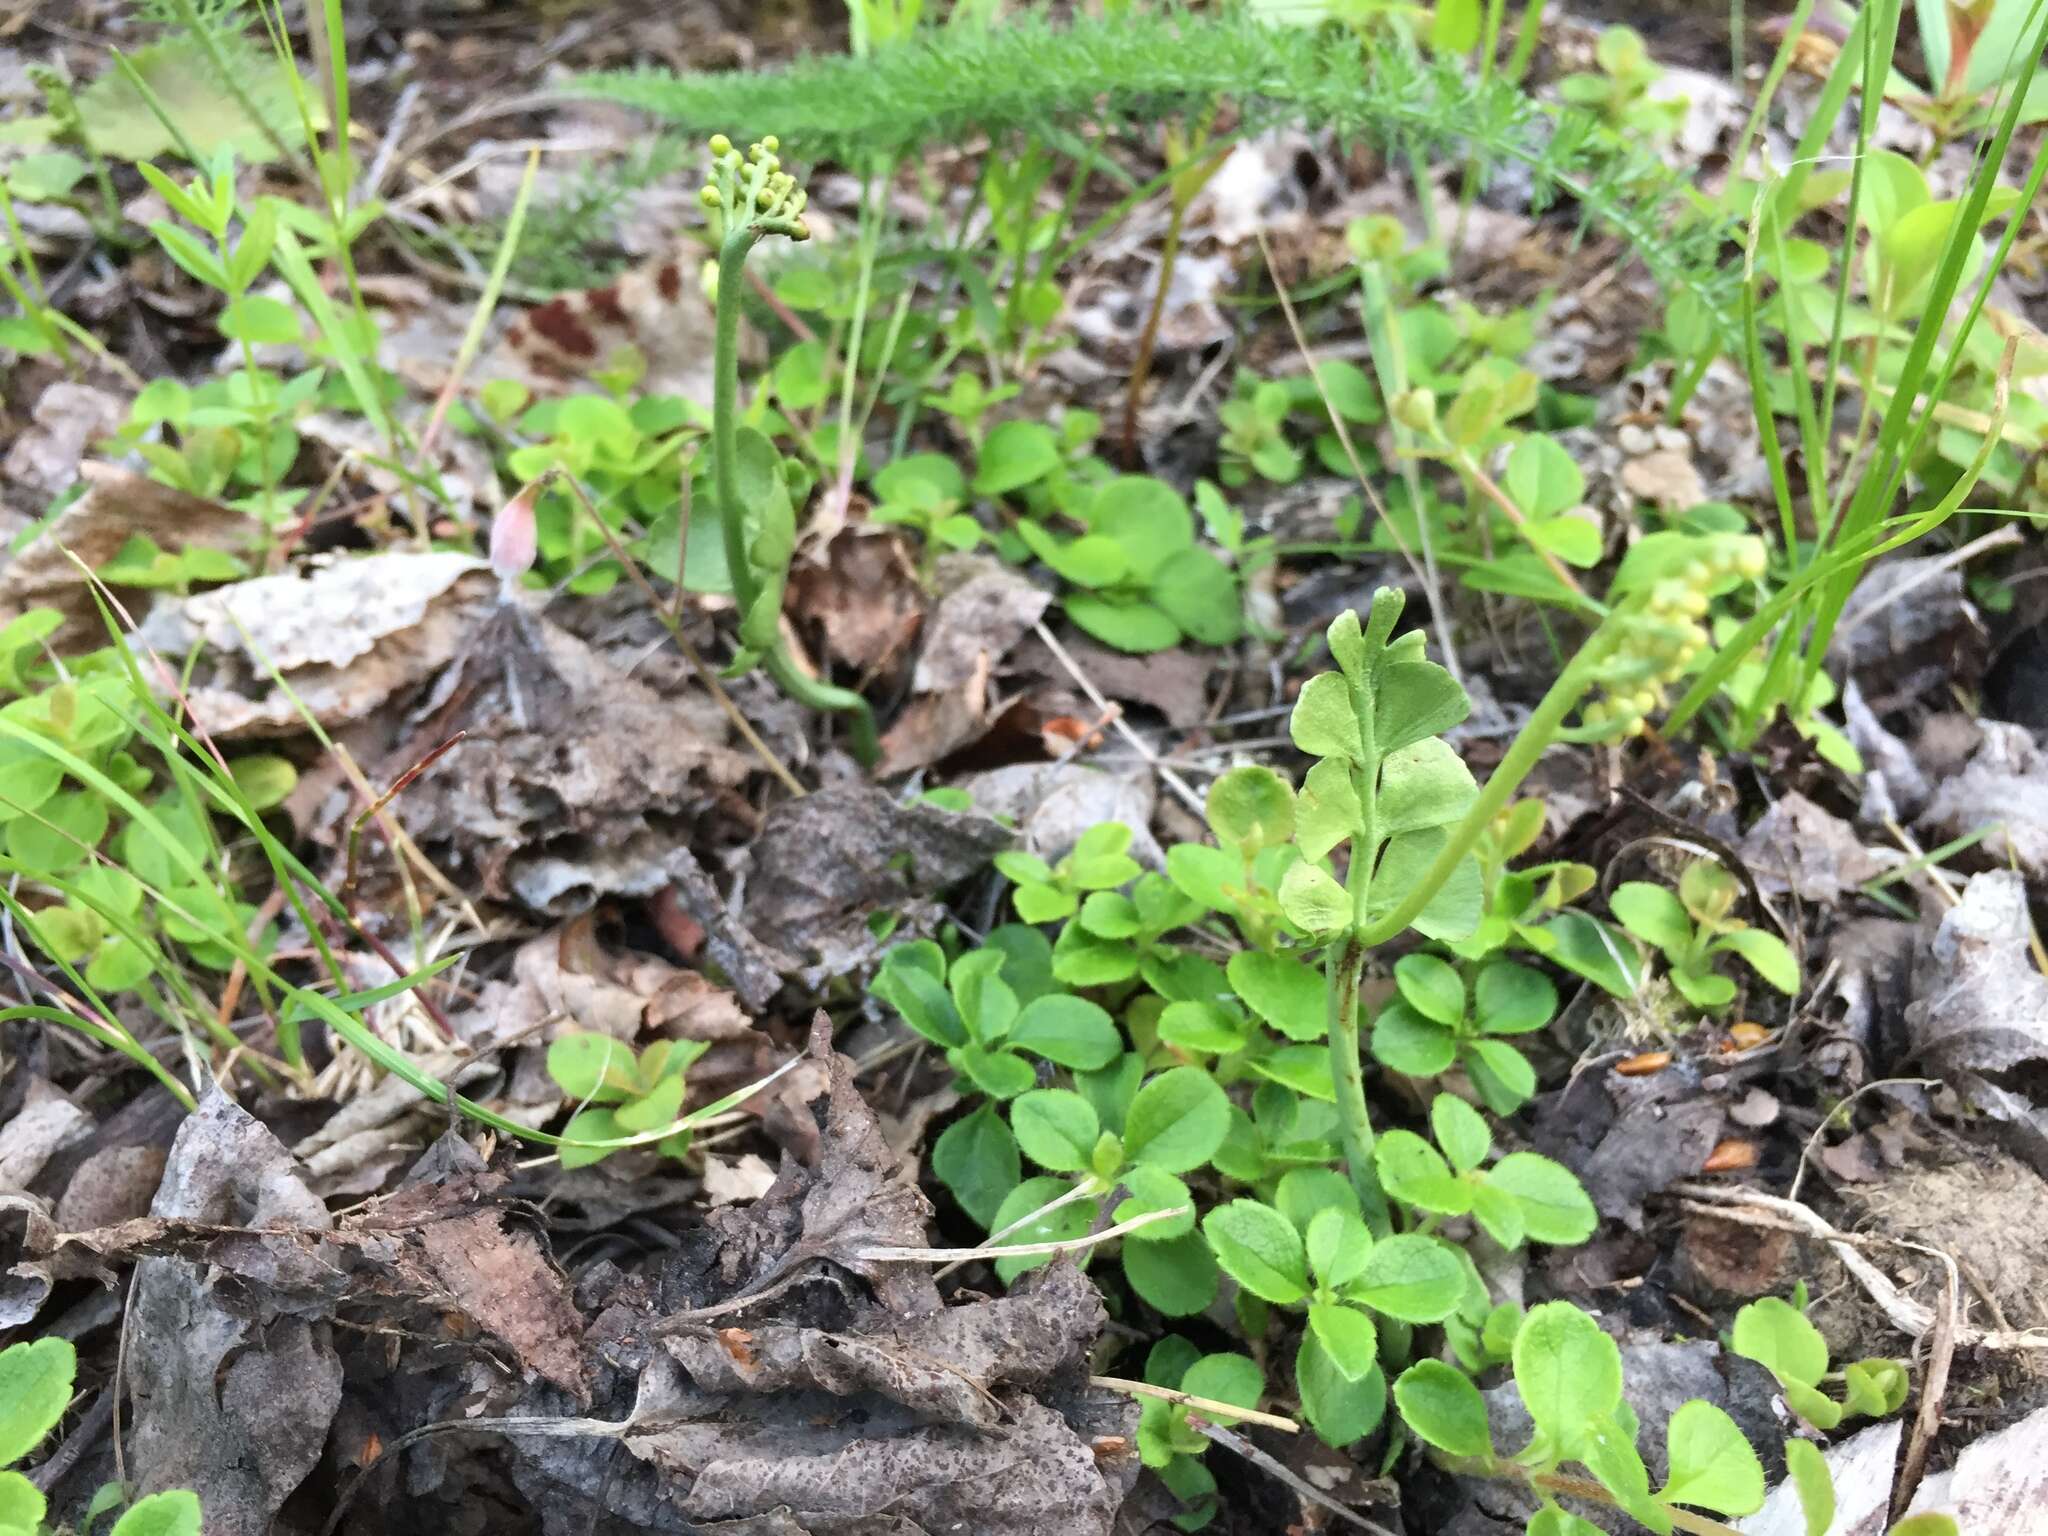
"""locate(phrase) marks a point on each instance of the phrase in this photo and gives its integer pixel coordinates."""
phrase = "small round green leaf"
(1152, 1189)
(1712, 1465)
(1555, 1206)
(175, 1513)
(1460, 1130)
(1136, 627)
(1068, 1030)
(1442, 1406)
(1405, 1041)
(1338, 1243)
(35, 1388)
(264, 780)
(1511, 999)
(1652, 913)
(1176, 1278)
(1432, 987)
(1250, 808)
(1411, 1278)
(1259, 1249)
(1567, 1371)
(22, 1505)
(1225, 1378)
(1056, 1128)
(976, 1158)
(1813, 1483)
(1323, 723)
(1063, 1224)
(587, 1065)
(1347, 1336)
(1414, 1172)
(1286, 992)
(1313, 900)
(1014, 454)
(1777, 1336)
(1339, 1409)
(1176, 1121)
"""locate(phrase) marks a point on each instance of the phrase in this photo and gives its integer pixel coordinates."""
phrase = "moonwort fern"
(948, 86)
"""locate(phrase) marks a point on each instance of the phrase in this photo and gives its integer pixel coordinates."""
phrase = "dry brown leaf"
(2004, 786)
(863, 588)
(116, 506)
(823, 865)
(68, 418)
(573, 781)
(1796, 846)
(232, 1401)
(984, 608)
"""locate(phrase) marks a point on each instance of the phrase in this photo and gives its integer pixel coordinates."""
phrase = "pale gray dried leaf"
(573, 782)
(232, 1396)
(1998, 1483)
(1796, 846)
(1894, 785)
(115, 1183)
(823, 865)
(116, 506)
(346, 637)
(45, 1122)
(375, 1133)
(1862, 1469)
(1629, 1137)
(946, 1365)
(26, 1272)
(835, 1475)
(984, 608)
(1052, 804)
(2004, 786)
(67, 419)
(860, 1195)
(1908, 629)
(1978, 1003)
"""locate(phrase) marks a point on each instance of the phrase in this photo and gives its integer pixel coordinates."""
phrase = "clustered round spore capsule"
(753, 186)
(1661, 642)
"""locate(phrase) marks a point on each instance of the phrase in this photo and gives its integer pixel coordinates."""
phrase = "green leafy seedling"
(1568, 1374)
(1618, 91)
(926, 492)
(1144, 584)
(1119, 1129)
(1697, 924)
(1531, 908)
(1255, 435)
(1777, 1335)
(1114, 936)
(1172, 1447)
(622, 1094)
(1438, 1022)
(1046, 893)
(1315, 1251)
(1524, 1197)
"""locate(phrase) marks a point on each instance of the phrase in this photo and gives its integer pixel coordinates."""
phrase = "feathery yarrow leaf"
(946, 86)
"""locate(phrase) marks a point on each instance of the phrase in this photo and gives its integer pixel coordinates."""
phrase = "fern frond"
(946, 86)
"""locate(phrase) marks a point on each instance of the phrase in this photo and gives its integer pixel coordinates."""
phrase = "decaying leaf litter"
(321, 1299)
